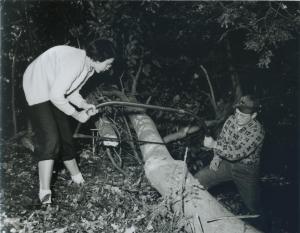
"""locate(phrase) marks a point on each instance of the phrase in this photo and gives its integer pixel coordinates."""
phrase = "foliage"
(167, 40)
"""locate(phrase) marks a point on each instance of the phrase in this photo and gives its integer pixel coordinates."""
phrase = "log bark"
(171, 179)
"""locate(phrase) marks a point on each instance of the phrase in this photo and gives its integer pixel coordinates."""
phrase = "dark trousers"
(245, 177)
(52, 132)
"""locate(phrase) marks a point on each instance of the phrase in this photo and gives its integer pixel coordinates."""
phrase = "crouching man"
(237, 154)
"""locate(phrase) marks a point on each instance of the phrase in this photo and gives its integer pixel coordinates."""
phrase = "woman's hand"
(90, 109)
(103, 66)
(81, 116)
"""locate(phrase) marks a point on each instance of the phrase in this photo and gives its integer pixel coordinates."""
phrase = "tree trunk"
(171, 179)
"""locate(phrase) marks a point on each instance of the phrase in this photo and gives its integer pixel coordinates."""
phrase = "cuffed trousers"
(245, 177)
(52, 131)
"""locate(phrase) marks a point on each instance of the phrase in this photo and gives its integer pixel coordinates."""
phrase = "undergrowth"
(107, 202)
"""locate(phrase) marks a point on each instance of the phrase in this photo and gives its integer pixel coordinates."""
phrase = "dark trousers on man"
(245, 177)
(52, 132)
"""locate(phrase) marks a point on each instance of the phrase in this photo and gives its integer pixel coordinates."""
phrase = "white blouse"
(59, 72)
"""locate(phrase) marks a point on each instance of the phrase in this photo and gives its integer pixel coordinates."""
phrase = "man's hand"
(209, 142)
(215, 163)
(81, 116)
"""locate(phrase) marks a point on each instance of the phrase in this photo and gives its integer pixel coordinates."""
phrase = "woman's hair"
(100, 50)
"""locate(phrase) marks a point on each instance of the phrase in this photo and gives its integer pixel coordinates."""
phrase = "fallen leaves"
(106, 203)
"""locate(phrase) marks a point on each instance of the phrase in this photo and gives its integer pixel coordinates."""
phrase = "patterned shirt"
(242, 144)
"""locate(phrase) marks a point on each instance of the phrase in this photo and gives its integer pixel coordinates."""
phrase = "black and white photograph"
(149, 116)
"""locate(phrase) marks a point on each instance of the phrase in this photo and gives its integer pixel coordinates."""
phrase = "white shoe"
(78, 179)
(45, 197)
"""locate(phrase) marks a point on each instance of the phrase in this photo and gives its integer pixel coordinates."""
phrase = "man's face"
(243, 118)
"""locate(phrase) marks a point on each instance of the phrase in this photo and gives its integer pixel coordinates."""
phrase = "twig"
(205, 93)
(192, 227)
(78, 42)
(131, 141)
(114, 163)
(119, 156)
(121, 82)
(184, 179)
(148, 99)
(135, 79)
(237, 217)
(277, 11)
(13, 91)
(200, 223)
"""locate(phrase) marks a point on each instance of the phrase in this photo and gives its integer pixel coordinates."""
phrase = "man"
(237, 153)
(51, 84)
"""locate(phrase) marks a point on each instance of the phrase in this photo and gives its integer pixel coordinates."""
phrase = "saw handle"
(90, 111)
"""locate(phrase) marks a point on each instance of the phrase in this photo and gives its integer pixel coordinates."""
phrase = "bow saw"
(137, 105)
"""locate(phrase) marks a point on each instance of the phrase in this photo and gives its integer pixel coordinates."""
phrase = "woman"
(51, 84)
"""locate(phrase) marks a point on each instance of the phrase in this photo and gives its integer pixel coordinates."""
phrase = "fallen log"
(171, 179)
(204, 214)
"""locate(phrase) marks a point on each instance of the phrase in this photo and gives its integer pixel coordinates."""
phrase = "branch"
(182, 133)
(148, 100)
(131, 141)
(276, 11)
(121, 82)
(78, 42)
(229, 217)
(114, 163)
(13, 83)
(212, 95)
(184, 177)
(185, 131)
(136, 78)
